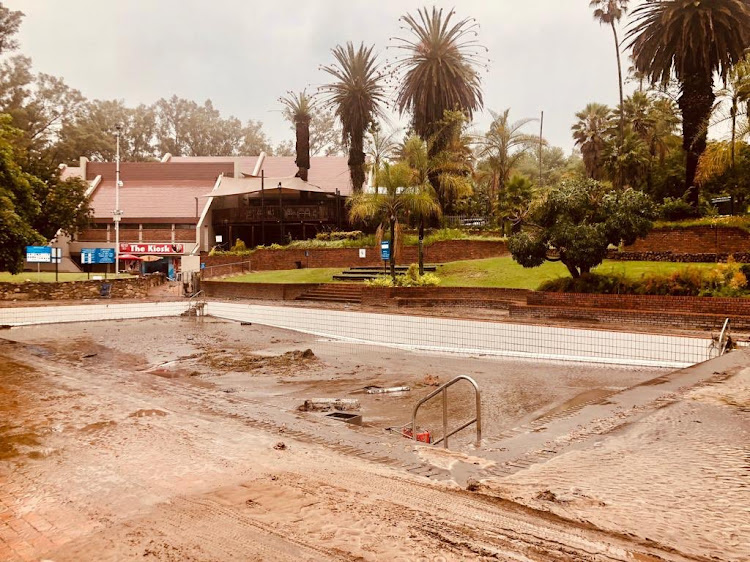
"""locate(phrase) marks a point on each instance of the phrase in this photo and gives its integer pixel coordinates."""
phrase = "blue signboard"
(385, 250)
(38, 254)
(97, 255)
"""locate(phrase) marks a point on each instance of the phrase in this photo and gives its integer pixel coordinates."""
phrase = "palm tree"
(401, 198)
(298, 110)
(380, 148)
(504, 145)
(589, 133)
(737, 91)
(610, 12)
(692, 39)
(357, 95)
(437, 68)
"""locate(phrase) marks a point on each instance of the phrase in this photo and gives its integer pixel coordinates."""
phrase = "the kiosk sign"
(151, 248)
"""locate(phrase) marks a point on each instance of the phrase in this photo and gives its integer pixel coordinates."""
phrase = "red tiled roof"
(329, 172)
(151, 199)
(157, 171)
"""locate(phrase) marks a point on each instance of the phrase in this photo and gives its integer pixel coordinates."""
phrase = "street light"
(117, 213)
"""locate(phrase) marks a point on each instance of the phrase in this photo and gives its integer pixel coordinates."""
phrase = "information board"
(38, 254)
(97, 255)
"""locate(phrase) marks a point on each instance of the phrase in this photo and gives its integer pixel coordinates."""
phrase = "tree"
(400, 199)
(325, 134)
(692, 39)
(737, 91)
(64, 206)
(10, 21)
(504, 145)
(284, 148)
(590, 133)
(356, 95)
(576, 221)
(298, 110)
(514, 201)
(18, 205)
(380, 148)
(438, 69)
(255, 141)
(610, 12)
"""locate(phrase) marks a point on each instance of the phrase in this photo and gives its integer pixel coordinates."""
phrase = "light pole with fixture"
(117, 213)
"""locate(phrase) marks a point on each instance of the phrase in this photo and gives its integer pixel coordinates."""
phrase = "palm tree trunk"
(734, 129)
(357, 161)
(392, 259)
(622, 103)
(421, 246)
(696, 102)
(302, 130)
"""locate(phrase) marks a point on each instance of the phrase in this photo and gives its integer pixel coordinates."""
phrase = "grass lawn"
(49, 276)
(322, 275)
(492, 272)
(504, 272)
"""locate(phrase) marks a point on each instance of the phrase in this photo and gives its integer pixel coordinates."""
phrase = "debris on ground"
(380, 390)
(280, 446)
(431, 380)
(328, 404)
(243, 361)
(473, 485)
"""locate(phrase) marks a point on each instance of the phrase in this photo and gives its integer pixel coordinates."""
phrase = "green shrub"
(239, 246)
(339, 235)
(675, 209)
(588, 283)
(380, 281)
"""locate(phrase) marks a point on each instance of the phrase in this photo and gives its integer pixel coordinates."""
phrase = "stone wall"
(137, 287)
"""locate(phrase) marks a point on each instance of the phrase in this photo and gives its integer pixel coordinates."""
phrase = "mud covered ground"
(181, 439)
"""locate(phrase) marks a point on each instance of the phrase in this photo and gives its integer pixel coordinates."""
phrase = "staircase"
(334, 292)
(363, 273)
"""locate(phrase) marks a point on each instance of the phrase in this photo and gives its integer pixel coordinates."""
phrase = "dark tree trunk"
(421, 246)
(695, 103)
(619, 174)
(302, 129)
(357, 161)
(571, 268)
(392, 259)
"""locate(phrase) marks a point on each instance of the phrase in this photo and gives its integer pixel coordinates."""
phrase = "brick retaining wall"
(693, 240)
(440, 252)
(663, 304)
(137, 287)
(388, 296)
(256, 291)
(740, 257)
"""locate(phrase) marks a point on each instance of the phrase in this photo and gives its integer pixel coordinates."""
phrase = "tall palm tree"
(438, 69)
(610, 12)
(400, 199)
(505, 144)
(590, 133)
(380, 147)
(692, 39)
(357, 96)
(298, 110)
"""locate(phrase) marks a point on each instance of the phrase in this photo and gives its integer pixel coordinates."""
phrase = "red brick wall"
(439, 252)
(387, 296)
(641, 318)
(184, 235)
(157, 235)
(263, 291)
(663, 304)
(97, 235)
(693, 240)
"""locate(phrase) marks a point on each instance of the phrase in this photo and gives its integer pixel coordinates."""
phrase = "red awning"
(129, 257)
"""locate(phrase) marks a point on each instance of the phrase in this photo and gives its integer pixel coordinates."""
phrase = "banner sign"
(38, 254)
(385, 250)
(97, 255)
(151, 248)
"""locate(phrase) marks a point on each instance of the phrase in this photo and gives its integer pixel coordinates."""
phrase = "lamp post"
(117, 213)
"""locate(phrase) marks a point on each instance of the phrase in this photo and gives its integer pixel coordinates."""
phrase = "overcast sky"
(544, 54)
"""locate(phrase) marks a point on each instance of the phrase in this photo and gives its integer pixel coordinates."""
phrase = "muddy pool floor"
(181, 439)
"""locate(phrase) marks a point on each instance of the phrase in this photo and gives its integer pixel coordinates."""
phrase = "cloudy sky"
(243, 54)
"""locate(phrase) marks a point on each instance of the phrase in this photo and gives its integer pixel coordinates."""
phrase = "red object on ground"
(423, 436)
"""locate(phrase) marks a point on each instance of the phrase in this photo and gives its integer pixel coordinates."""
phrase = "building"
(183, 206)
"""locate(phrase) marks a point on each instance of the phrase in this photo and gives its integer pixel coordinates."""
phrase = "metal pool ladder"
(444, 391)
